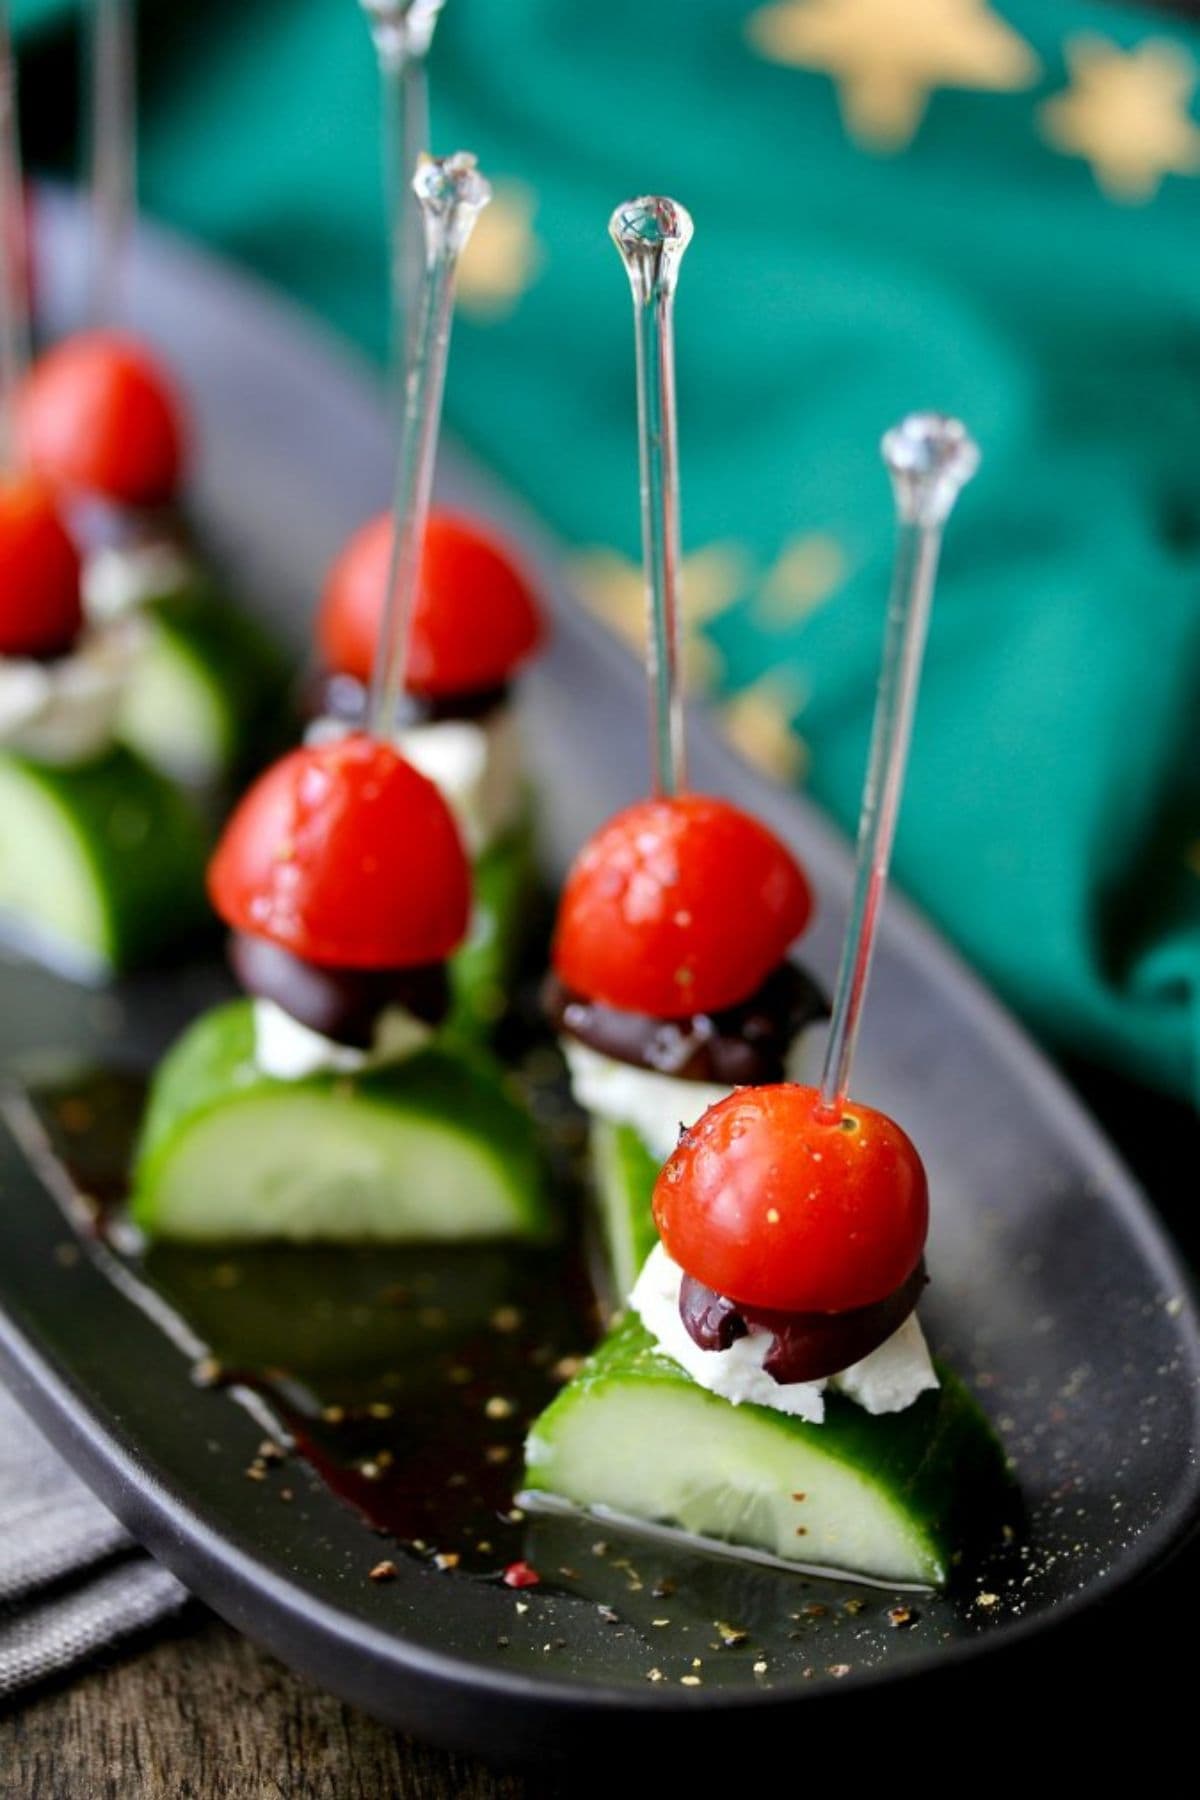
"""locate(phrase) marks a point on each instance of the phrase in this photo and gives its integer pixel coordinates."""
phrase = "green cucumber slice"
(481, 972)
(101, 863)
(208, 696)
(623, 1176)
(431, 1149)
(888, 1499)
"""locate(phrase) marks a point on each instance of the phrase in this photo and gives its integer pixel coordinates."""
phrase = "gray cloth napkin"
(72, 1581)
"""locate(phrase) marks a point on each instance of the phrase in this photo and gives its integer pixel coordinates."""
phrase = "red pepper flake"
(521, 1575)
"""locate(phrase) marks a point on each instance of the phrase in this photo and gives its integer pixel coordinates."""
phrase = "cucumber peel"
(480, 972)
(623, 1176)
(209, 694)
(101, 863)
(433, 1149)
(890, 1499)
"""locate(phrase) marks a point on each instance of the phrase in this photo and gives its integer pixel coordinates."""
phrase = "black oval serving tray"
(1054, 1290)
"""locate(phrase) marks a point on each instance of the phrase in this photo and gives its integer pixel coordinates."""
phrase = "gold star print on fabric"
(504, 256)
(807, 572)
(1126, 113)
(712, 579)
(888, 56)
(758, 723)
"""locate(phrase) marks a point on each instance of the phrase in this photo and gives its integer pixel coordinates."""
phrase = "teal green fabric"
(1052, 821)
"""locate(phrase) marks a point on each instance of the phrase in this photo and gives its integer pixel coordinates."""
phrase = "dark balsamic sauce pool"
(405, 1380)
(406, 1377)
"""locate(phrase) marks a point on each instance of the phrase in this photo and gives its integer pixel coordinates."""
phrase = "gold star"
(759, 723)
(712, 578)
(1126, 113)
(807, 572)
(888, 56)
(504, 256)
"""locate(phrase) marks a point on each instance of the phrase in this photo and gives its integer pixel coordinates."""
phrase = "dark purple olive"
(806, 1346)
(342, 1004)
(710, 1320)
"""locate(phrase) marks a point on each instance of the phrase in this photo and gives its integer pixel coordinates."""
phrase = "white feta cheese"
(475, 763)
(886, 1381)
(65, 710)
(655, 1105)
(118, 581)
(894, 1375)
(290, 1051)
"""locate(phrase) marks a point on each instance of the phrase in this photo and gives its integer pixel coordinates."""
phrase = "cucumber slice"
(101, 863)
(481, 972)
(623, 1176)
(209, 693)
(431, 1149)
(888, 1499)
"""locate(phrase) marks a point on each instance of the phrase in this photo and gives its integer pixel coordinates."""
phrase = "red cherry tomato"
(40, 609)
(98, 414)
(771, 1205)
(346, 856)
(678, 906)
(475, 619)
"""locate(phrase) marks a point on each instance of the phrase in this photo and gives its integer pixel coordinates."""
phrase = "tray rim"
(203, 1558)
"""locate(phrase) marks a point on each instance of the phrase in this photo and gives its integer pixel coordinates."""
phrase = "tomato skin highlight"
(346, 856)
(678, 906)
(41, 612)
(98, 415)
(474, 623)
(769, 1204)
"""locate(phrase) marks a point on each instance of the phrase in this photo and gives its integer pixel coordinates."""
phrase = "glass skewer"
(402, 31)
(14, 306)
(451, 194)
(113, 171)
(930, 458)
(651, 234)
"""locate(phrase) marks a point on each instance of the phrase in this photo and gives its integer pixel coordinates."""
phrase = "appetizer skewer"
(102, 420)
(99, 856)
(402, 32)
(112, 54)
(772, 1338)
(471, 622)
(670, 982)
(326, 1099)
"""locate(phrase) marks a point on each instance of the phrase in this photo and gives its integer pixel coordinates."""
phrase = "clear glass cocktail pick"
(402, 31)
(929, 458)
(113, 151)
(451, 194)
(14, 302)
(652, 234)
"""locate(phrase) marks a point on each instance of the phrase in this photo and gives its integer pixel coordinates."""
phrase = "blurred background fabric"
(990, 208)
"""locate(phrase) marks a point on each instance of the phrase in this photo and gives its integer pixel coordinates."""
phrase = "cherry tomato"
(475, 619)
(98, 414)
(346, 856)
(772, 1205)
(40, 609)
(678, 906)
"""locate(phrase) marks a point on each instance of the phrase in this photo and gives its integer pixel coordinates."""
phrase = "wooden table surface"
(204, 1715)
